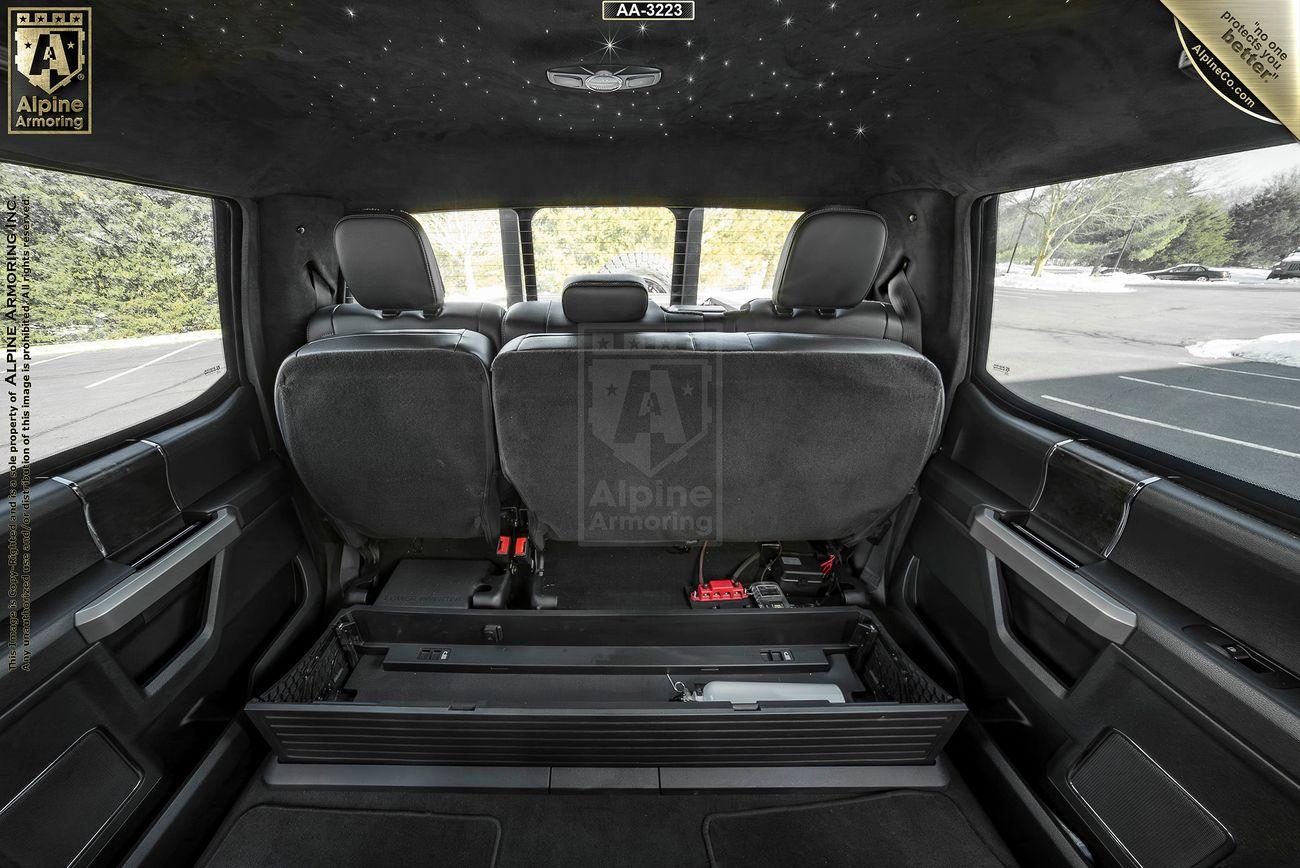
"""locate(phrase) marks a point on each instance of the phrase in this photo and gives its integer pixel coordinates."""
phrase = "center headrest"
(605, 298)
(830, 259)
(387, 261)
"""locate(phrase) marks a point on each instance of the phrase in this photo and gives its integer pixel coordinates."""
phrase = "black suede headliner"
(419, 104)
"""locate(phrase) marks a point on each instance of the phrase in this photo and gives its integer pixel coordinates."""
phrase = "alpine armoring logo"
(49, 73)
(649, 461)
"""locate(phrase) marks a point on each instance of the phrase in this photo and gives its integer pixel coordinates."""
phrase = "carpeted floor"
(288, 837)
(907, 829)
(897, 829)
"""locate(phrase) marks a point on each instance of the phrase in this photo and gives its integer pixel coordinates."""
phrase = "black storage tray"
(558, 688)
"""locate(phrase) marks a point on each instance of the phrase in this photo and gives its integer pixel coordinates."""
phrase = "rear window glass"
(739, 250)
(125, 320)
(569, 241)
(1162, 306)
(467, 245)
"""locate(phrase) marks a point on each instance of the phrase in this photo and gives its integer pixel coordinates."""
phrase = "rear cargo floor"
(300, 827)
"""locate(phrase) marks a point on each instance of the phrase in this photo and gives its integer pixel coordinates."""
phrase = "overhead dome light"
(604, 80)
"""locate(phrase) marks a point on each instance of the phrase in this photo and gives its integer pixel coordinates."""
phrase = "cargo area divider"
(603, 689)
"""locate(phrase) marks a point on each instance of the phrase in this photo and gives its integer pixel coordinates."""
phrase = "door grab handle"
(1093, 607)
(117, 606)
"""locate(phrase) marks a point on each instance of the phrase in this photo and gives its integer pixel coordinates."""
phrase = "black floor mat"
(271, 835)
(891, 830)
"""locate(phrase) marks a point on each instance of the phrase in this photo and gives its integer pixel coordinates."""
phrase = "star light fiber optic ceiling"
(423, 104)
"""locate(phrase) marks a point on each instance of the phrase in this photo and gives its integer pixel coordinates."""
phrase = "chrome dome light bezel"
(604, 80)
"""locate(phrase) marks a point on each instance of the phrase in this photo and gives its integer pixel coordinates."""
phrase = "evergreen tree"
(1266, 227)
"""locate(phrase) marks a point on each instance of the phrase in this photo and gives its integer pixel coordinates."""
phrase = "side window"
(124, 315)
(1205, 368)
(467, 245)
(569, 241)
(739, 250)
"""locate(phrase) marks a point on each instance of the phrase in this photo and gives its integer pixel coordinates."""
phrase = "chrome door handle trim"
(1093, 607)
(117, 606)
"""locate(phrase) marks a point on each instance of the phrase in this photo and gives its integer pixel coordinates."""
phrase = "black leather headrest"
(830, 259)
(605, 298)
(387, 261)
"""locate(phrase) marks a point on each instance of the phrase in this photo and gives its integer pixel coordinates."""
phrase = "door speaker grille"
(1156, 822)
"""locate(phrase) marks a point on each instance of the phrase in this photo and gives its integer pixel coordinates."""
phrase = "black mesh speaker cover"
(1156, 822)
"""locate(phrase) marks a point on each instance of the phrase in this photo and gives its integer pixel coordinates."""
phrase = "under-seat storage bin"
(559, 688)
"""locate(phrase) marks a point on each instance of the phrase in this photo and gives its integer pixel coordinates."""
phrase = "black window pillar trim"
(525, 218)
(686, 255)
(512, 254)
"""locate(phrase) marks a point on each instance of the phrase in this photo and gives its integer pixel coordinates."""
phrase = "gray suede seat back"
(828, 264)
(391, 430)
(659, 436)
(602, 303)
(389, 268)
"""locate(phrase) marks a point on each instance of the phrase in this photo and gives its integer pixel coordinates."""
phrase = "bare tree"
(462, 237)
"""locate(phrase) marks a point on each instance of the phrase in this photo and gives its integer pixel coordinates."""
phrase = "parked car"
(1187, 272)
(1286, 269)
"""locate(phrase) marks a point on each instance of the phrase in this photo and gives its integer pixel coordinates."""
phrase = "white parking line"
(1233, 371)
(145, 365)
(1215, 394)
(1218, 437)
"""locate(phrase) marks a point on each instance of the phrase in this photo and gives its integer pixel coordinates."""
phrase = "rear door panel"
(1129, 642)
(160, 570)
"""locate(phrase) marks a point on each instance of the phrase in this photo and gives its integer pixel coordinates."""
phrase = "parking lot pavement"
(1119, 362)
(82, 395)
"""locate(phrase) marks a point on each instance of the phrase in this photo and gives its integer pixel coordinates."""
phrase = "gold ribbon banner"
(1257, 47)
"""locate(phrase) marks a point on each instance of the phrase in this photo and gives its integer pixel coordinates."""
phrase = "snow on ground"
(1055, 279)
(1279, 349)
(1246, 275)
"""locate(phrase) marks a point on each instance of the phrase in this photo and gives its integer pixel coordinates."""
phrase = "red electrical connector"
(719, 591)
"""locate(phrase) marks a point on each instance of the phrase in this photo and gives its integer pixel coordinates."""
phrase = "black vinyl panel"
(1232, 569)
(128, 498)
(1084, 495)
(212, 449)
(60, 515)
(1004, 451)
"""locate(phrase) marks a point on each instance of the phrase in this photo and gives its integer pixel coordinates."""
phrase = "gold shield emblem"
(50, 47)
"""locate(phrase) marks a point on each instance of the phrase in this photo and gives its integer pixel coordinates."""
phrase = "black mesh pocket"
(890, 675)
(318, 676)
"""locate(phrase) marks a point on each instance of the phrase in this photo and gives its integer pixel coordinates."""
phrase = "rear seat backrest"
(601, 302)
(803, 436)
(391, 431)
(384, 249)
(828, 265)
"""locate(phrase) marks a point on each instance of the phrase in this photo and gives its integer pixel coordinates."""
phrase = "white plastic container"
(769, 691)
